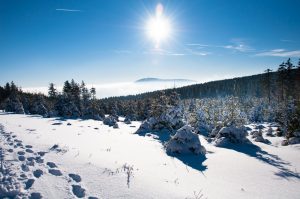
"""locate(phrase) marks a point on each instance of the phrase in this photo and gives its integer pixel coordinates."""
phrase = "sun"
(158, 27)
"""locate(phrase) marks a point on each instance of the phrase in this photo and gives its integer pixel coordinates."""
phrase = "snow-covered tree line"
(76, 100)
(164, 110)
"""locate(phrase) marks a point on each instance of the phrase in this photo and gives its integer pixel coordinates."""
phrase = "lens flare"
(158, 27)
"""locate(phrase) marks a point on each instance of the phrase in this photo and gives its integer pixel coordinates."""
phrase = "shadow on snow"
(192, 160)
(273, 160)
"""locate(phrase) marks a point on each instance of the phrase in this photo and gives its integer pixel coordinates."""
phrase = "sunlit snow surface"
(98, 154)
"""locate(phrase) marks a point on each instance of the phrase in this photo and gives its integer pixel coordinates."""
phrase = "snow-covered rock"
(231, 135)
(185, 141)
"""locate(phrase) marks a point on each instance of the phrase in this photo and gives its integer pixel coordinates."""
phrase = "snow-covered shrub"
(216, 130)
(258, 136)
(185, 141)
(231, 134)
(127, 120)
(40, 109)
(116, 126)
(164, 116)
(66, 107)
(270, 132)
(110, 120)
(201, 123)
(256, 114)
(13, 104)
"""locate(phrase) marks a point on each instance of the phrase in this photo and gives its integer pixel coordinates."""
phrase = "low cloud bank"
(119, 89)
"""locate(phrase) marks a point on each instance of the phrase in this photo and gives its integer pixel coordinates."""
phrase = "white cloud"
(160, 51)
(280, 53)
(238, 45)
(67, 10)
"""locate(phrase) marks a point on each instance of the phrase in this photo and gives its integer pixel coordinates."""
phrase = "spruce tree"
(267, 83)
(52, 92)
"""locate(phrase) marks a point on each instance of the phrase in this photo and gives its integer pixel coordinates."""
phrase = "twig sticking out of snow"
(129, 172)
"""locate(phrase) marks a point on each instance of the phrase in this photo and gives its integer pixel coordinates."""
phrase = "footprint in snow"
(92, 197)
(10, 150)
(51, 164)
(21, 153)
(75, 177)
(29, 183)
(21, 158)
(23, 175)
(41, 153)
(28, 146)
(55, 172)
(24, 168)
(35, 195)
(19, 144)
(78, 191)
(30, 159)
(29, 151)
(39, 160)
(38, 173)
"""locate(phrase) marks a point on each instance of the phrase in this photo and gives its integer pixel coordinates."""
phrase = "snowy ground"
(115, 163)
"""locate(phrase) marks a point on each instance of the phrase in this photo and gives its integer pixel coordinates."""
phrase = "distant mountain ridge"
(152, 79)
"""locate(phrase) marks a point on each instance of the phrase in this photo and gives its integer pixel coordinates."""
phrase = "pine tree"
(93, 93)
(52, 92)
(280, 81)
(67, 88)
(267, 83)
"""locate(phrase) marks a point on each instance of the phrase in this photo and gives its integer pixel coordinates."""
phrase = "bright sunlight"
(158, 27)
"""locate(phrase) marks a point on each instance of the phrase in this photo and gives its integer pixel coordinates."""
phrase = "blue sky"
(105, 41)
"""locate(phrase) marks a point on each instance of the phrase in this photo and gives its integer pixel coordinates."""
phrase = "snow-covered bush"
(66, 107)
(258, 136)
(185, 141)
(40, 109)
(270, 132)
(127, 120)
(110, 120)
(13, 104)
(164, 116)
(201, 123)
(231, 134)
(116, 126)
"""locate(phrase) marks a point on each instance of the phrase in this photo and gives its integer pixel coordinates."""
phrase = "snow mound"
(231, 134)
(185, 141)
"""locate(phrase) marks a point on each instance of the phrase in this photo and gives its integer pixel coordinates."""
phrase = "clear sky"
(103, 41)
